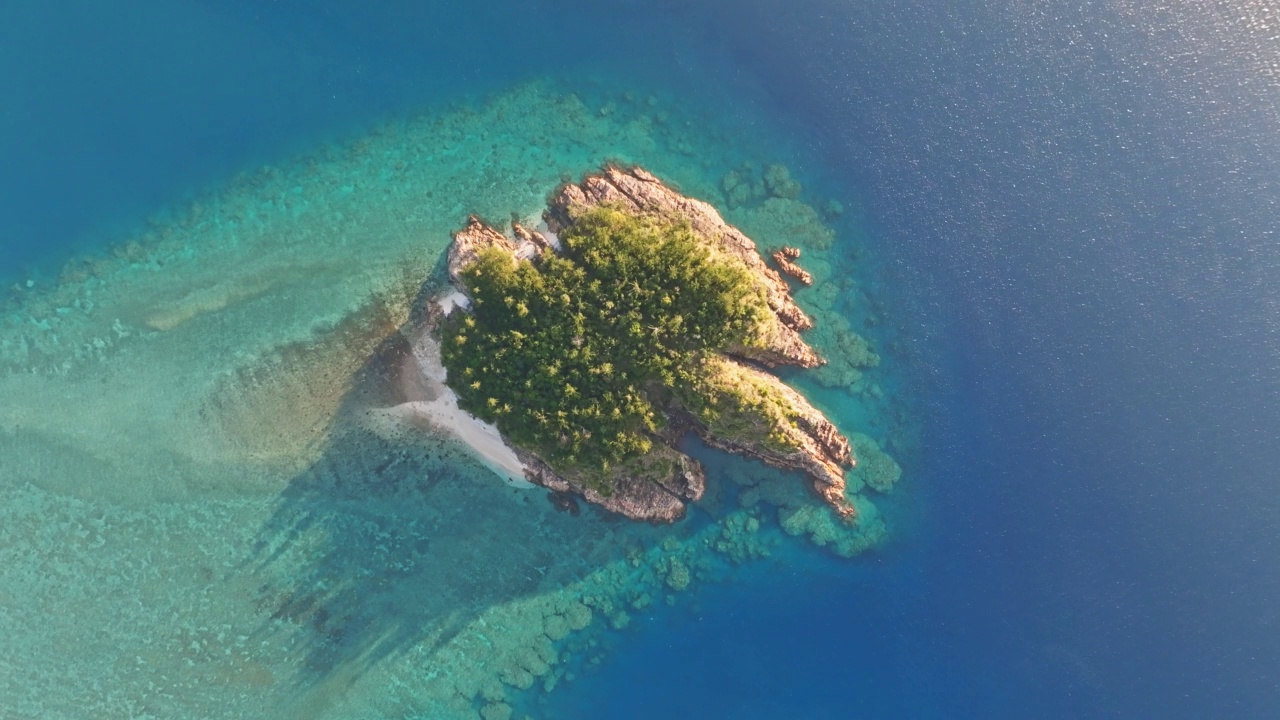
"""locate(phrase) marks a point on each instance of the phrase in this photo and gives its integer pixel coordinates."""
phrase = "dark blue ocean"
(1077, 206)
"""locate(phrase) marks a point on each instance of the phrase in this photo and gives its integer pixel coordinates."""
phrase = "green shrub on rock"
(734, 404)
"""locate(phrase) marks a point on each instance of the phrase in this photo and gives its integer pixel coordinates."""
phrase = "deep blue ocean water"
(1078, 203)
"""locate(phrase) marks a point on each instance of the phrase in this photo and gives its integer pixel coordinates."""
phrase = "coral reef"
(785, 221)
(779, 183)
(875, 469)
(797, 517)
(850, 354)
(195, 518)
(747, 185)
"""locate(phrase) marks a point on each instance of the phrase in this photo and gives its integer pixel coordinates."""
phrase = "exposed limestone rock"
(531, 238)
(477, 235)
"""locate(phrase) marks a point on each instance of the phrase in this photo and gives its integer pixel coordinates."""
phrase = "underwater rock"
(564, 502)
(780, 183)
(850, 354)
(875, 468)
(741, 409)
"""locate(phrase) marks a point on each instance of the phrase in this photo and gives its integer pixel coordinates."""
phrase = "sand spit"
(195, 520)
(432, 407)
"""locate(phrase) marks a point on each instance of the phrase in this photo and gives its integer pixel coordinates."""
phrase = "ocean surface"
(1061, 233)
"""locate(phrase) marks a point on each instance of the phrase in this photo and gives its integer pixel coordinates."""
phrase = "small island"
(638, 316)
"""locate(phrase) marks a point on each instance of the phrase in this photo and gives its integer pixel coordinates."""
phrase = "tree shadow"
(387, 544)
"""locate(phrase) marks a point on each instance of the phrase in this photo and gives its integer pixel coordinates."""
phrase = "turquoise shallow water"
(1056, 234)
(192, 423)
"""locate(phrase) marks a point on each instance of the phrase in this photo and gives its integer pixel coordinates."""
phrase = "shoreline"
(432, 406)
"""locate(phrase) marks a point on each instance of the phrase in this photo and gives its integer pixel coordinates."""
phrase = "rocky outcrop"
(820, 451)
(658, 486)
(477, 235)
(785, 258)
(530, 238)
(639, 191)
(468, 242)
(640, 494)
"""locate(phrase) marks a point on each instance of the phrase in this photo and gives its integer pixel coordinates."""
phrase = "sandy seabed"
(217, 496)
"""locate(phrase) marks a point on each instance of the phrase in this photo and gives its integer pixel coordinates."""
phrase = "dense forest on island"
(578, 355)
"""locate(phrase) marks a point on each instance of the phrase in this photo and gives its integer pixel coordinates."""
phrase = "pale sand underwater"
(217, 499)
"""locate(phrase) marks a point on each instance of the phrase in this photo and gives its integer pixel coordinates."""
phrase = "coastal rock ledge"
(657, 486)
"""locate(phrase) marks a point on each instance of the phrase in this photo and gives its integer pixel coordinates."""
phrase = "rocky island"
(639, 315)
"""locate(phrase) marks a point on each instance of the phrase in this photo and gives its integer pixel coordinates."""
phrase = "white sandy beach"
(433, 407)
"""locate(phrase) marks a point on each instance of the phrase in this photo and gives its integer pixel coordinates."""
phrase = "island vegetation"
(649, 317)
(578, 355)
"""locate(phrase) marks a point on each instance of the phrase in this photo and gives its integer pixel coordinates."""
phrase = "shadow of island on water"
(393, 544)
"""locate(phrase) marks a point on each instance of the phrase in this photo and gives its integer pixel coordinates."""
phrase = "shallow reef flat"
(197, 520)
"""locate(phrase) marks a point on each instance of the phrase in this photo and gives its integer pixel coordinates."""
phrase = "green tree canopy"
(570, 354)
